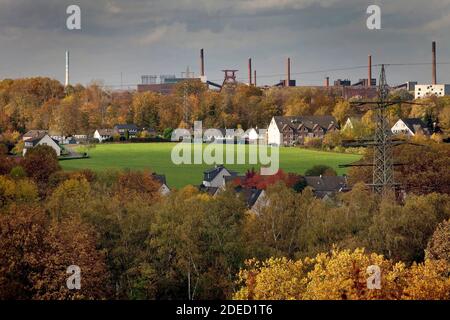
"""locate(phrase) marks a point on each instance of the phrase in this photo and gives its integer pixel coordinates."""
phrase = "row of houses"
(123, 131)
(216, 179)
(289, 131)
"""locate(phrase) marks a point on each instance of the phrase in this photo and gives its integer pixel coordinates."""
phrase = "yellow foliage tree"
(343, 275)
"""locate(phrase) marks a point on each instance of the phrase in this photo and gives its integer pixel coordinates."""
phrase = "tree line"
(43, 103)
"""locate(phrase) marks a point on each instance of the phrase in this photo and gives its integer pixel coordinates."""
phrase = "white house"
(42, 139)
(216, 177)
(252, 135)
(350, 123)
(410, 127)
(103, 134)
(426, 90)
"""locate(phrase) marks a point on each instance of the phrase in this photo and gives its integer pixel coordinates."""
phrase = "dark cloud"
(163, 36)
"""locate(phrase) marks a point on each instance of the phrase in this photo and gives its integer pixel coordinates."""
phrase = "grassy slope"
(157, 158)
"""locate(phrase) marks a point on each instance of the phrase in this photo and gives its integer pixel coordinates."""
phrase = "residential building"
(161, 179)
(218, 135)
(410, 127)
(288, 131)
(350, 123)
(325, 187)
(426, 90)
(126, 131)
(33, 134)
(252, 135)
(216, 177)
(103, 135)
(42, 139)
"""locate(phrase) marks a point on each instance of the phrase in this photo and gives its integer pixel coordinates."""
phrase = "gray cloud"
(163, 36)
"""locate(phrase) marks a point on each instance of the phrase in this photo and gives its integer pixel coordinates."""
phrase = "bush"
(321, 170)
(313, 143)
(18, 172)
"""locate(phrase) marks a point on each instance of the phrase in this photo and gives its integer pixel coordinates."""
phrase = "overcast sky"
(139, 37)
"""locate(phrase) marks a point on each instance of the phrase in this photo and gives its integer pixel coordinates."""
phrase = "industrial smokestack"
(202, 63)
(67, 69)
(254, 77)
(249, 71)
(288, 67)
(369, 80)
(327, 82)
(434, 63)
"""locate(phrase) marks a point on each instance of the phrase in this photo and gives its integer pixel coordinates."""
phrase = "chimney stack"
(254, 81)
(288, 80)
(202, 63)
(434, 63)
(67, 69)
(250, 71)
(369, 80)
(327, 82)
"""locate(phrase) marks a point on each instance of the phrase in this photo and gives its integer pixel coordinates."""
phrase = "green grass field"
(156, 157)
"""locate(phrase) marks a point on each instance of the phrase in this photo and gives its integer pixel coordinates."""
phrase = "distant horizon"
(120, 41)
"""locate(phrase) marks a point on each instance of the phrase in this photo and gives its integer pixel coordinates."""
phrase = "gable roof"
(323, 185)
(161, 178)
(212, 191)
(309, 122)
(35, 140)
(126, 127)
(251, 195)
(105, 132)
(415, 124)
(35, 133)
(210, 174)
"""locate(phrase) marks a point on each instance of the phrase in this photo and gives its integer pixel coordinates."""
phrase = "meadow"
(156, 157)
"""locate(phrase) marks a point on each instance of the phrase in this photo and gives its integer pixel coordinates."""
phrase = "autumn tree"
(36, 253)
(401, 232)
(342, 275)
(423, 169)
(438, 247)
(40, 162)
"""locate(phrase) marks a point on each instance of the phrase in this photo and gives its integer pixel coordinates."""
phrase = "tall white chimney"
(67, 68)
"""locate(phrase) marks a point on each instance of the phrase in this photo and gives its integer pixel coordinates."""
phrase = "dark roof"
(106, 132)
(35, 140)
(250, 195)
(295, 122)
(35, 133)
(210, 174)
(323, 185)
(126, 127)
(209, 190)
(161, 178)
(415, 124)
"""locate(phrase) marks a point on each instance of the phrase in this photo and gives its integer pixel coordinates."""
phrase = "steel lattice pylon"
(383, 164)
(383, 143)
